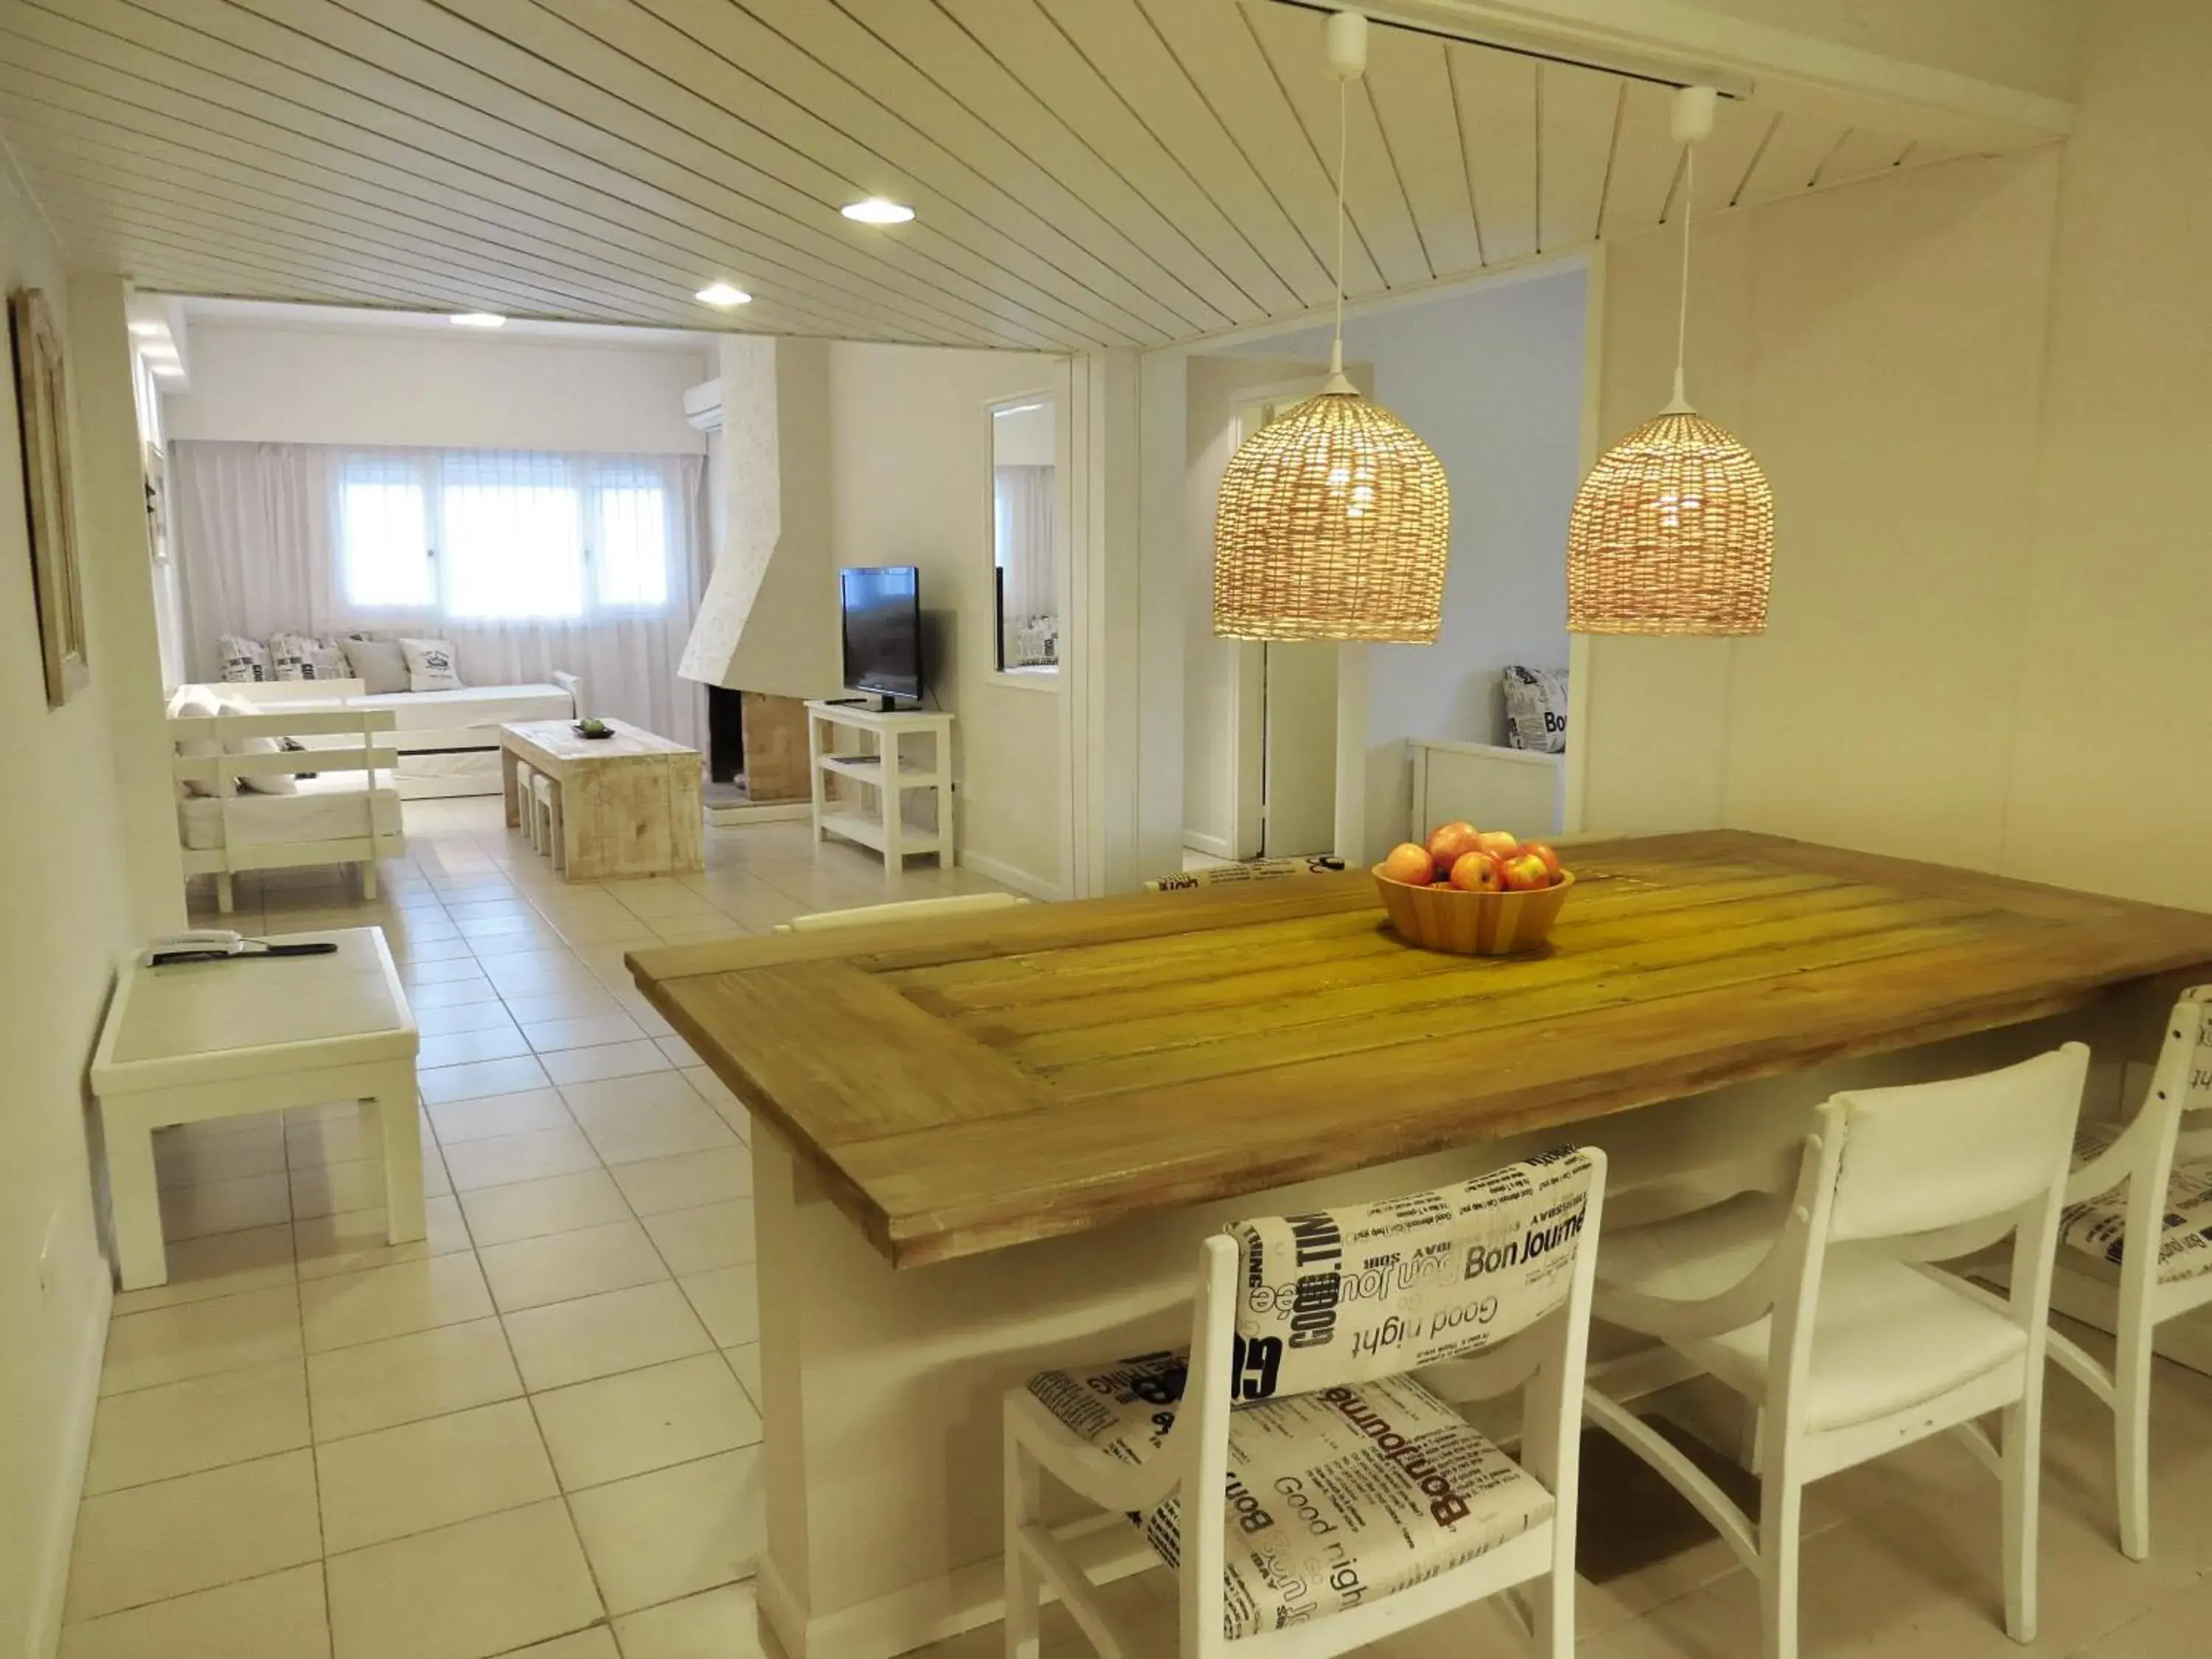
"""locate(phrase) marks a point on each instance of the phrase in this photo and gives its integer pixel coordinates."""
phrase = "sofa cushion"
(267, 783)
(378, 664)
(430, 666)
(306, 656)
(244, 661)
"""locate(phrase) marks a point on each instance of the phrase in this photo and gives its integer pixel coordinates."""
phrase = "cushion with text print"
(430, 664)
(1366, 1290)
(1333, 1499)
(244, 661)
(306, 656)
(1535, 708)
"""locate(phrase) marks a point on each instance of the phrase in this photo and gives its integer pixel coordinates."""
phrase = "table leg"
(398, 1121)
(136, 1201)
(509, 787)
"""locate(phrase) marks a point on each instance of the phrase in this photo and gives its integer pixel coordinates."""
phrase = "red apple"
(1476, 873)
(1410, 864)
(1543, 850)
(1498, 843)
(1449, 842)
(1525, 871)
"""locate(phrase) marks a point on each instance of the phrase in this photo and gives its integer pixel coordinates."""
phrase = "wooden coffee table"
(628, 803)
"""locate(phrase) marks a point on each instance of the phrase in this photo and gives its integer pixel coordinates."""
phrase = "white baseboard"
(1212, 846)
(75, 1442)
(937, 1609)
(1007, 875)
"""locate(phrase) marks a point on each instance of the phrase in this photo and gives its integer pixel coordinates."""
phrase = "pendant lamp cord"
(1343, 127)
(1682, 315)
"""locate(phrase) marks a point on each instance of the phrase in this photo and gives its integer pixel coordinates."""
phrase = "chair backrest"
(909, 910)
(1344, 1295)
(1922, 1157)
(2139, 1158)
(1352, 1297)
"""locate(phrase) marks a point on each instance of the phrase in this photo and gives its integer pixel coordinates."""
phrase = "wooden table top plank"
(560, 743)
(1353, 940)
(902, 1070)
(971, 1084)
(1369, 956)
(1168, 1047)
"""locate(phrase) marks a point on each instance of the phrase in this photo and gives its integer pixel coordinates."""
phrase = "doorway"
(1287, 716)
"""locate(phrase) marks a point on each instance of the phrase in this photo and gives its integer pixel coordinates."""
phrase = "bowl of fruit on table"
(1485, 893)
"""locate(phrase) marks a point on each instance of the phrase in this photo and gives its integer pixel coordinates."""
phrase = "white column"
(118, 566)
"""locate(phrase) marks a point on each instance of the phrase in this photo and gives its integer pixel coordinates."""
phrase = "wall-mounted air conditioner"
(702, 405)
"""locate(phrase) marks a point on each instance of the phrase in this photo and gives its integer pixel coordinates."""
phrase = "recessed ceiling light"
(877, 211)
(147, 331)
(478, 320)
(723, 294)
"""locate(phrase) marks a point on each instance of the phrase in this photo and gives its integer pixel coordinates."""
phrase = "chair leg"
(2131, 1435)
(369, 881)
(2023, 1473)
(224, 901)
(1024, 1593)
(1779, 1513)
(1752, 1453)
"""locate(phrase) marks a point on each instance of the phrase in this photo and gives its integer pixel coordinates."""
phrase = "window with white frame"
(1025, 555)
(496, 536)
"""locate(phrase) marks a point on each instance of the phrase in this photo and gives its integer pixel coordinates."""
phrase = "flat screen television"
(882, 630)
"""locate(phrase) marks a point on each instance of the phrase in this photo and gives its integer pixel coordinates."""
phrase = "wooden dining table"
(1042, 1109)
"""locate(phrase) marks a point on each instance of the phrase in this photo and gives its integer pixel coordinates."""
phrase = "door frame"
(1247, 703)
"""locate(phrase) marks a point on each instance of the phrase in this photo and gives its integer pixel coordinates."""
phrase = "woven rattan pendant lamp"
(1334, 522)
(1673, 532)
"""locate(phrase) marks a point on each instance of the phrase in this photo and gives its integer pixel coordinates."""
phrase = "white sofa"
(448, 741)
(339, 809)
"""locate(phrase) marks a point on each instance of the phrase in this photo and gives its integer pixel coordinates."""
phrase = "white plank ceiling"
(1086, 173)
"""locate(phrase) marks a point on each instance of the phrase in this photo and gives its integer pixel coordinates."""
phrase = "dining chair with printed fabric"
(2135, 1243)
(1311, 1492)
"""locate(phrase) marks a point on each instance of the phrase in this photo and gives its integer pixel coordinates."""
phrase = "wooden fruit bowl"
(1473, 924)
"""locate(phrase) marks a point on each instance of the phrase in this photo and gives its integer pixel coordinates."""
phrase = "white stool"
(1821, 1311)
(1320, 1383)
(545, 808)
(205, 1040)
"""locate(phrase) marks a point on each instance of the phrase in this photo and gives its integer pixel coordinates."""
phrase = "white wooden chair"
(958, 904)
(2151, 1181)
(1826, 1313)
(1308, 1433)
(542, 798)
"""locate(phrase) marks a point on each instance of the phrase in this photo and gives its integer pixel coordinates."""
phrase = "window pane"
(513, 548)
(386, 539)
(631, 549)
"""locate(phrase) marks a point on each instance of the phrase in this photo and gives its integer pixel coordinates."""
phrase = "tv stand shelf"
(882, 769)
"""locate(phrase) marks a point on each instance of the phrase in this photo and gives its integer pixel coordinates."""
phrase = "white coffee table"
(223, 1039)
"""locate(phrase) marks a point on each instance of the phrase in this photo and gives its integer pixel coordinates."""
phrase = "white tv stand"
(884, 765)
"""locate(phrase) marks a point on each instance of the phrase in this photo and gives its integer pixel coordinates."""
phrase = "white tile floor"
(535, 1431)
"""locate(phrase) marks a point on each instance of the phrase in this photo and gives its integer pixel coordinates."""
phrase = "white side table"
(889, 770)
(223, 1039)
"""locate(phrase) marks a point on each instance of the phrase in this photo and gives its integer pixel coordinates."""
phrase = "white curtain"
(1023, 497)
(527, 562)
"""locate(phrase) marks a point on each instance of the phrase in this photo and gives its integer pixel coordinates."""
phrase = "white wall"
(1492, 380)
(910, 483)
(64, 917)
(1977, 389)
(460, 389)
